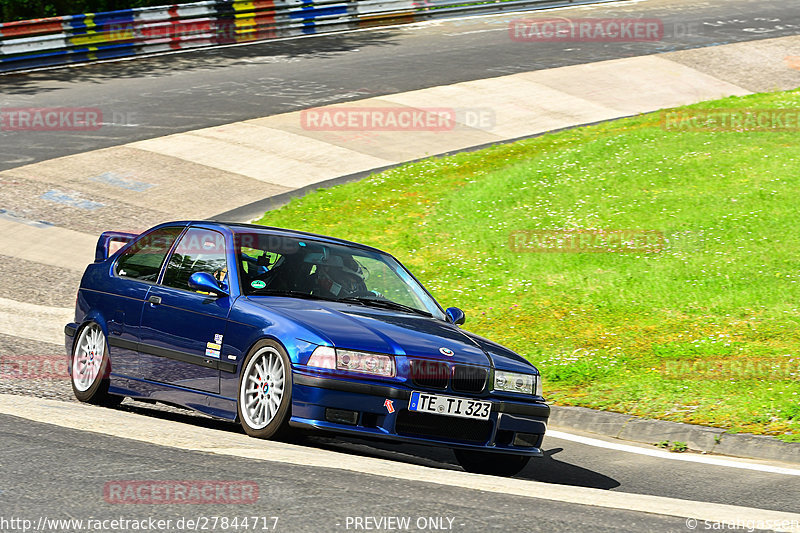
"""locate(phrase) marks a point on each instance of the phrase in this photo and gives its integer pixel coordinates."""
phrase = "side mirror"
(205, 282)
(455, 315)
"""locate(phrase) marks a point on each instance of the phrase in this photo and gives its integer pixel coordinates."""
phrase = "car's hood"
(371, 329)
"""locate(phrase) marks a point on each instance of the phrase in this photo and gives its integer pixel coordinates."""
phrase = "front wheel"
(497, 464)
(265, 391)
(90, 366)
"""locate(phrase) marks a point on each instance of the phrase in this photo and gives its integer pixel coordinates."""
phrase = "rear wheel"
(265, 392)
(496, 464)
(90, 366)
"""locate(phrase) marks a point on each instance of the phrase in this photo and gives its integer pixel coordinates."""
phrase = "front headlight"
(353, 361)
(513, 382)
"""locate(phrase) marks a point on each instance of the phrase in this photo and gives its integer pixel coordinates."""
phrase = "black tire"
(97, 391)
(495, 464)
(275, 426)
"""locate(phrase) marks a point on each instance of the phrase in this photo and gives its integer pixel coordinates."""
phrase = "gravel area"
(31, 368)
(25, 281)
(81, 211)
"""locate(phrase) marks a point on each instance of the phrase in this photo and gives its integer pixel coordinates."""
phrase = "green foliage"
(705, 330)
(678, 447)
(11, 10)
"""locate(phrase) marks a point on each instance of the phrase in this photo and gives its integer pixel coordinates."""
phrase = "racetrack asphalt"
(79, 464)
(156, 96)
(162, 95)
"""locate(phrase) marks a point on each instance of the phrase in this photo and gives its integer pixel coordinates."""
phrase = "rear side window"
(199, 250)
(144, 258)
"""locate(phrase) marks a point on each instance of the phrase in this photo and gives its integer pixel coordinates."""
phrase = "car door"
(182, 330)
(134, 272)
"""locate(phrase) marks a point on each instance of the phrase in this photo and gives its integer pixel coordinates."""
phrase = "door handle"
(155, 300)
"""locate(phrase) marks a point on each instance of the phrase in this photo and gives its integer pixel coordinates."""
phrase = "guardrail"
(116, 34)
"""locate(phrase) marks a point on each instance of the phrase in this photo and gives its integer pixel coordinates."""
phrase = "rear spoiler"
(109, 242)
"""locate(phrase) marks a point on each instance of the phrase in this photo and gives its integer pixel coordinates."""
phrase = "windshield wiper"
(387, 304)
(290, 294)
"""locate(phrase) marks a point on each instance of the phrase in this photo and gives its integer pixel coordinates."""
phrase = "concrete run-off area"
(54, 210)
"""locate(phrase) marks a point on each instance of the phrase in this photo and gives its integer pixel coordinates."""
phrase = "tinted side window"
(199, 250)
(144, 258)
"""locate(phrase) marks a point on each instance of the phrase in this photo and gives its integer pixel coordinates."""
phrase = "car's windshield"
(306, 268)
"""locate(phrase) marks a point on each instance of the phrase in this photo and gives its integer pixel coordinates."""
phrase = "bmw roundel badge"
(446, 351)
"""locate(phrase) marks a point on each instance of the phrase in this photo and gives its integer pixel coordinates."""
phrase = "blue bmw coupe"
(280, 329)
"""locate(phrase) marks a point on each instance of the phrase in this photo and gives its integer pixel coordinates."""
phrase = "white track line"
(194, 437)
(691, 458)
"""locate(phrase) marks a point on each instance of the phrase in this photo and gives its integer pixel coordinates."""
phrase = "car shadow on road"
(547, 469)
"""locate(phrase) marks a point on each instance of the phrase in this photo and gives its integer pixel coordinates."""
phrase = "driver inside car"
(339, 277)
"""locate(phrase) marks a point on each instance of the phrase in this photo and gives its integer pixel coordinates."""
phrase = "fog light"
(341, 416)
(528, 440)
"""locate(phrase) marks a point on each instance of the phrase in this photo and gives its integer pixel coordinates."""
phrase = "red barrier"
(27, 28)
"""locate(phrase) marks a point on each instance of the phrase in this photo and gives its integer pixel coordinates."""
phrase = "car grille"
(443, 427)
(469, 378)
(437, 375)
(430, 374)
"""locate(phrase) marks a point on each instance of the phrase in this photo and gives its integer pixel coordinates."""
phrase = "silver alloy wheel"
(261, 392)
(87, 358)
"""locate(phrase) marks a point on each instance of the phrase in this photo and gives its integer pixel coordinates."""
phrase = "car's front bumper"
(381, 411)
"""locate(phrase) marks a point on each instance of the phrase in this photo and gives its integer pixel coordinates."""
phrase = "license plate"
(422, 402)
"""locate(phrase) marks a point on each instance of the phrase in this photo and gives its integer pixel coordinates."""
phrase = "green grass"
(704, 331)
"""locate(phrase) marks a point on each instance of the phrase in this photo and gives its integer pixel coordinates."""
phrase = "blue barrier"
(130, 32)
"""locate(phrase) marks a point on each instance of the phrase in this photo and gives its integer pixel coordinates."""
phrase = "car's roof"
(238, 226)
